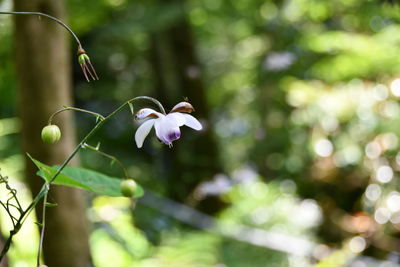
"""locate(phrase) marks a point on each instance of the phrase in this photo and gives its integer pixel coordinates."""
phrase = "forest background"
(298, 162)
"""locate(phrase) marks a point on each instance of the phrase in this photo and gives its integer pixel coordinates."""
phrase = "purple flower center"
(173, 136)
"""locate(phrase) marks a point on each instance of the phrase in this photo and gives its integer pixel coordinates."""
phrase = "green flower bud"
(86, 65)
(128, 187)
(83, 58)
(51, 134)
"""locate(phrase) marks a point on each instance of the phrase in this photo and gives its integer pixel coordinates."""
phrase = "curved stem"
(145, 98)
(47, 16)
(76, 109)
(9, 213)
(110, 157)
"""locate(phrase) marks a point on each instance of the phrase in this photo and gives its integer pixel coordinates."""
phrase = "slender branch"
(7, 244)
(42, 230)
(47, 16)
(14, 206)
(160, 106)
(9, 213)
(14, 193)
(76, 109)
(13, 219)
(110, 157)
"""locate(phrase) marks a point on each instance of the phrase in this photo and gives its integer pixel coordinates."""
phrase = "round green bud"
(128, 187)
(51, 134)
(83, 58)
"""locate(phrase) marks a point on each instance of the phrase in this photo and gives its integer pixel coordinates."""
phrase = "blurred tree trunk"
(44, 86)
(178, 74)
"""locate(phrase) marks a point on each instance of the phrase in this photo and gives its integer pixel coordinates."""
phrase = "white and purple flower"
(166, 126)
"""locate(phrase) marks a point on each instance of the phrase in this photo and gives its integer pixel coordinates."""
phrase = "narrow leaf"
(131, 107)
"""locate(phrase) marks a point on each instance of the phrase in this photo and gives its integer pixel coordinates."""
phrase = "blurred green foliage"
(304, 93)
(253, 204)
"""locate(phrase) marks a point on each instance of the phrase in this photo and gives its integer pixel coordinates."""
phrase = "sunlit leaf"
(84, 178)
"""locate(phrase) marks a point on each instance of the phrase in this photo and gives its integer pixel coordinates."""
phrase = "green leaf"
(83, 178)
(48, 204)
(47, 173)
(131, 107)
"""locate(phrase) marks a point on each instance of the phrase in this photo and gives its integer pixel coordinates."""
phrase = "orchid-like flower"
(166, 126)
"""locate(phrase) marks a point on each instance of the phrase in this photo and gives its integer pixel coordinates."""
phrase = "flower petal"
(143, 131)
(167, 129)
(147, 112)
(183, 107)
(178, 117)
(192, 122)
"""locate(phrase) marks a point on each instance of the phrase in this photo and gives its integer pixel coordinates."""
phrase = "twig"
(110, 157)
(42, 230)
(76, 109)
(47, 16)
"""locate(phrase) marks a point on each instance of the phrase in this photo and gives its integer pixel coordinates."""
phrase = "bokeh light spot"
(395, 87)
(323, 148)
(384, 174)
(382, 215)
(393, 201)
(373, 192)
(373, 150)
(357, 244)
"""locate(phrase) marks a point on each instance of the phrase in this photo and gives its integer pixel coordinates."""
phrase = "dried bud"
(51, 134)
(86, 65)
(128, 187)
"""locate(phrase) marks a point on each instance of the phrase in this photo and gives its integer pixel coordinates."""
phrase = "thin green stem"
(110, 157)
(47, 16)
(16, 200)
(9, 213)
(42, 230)
(144, 98)
(97, 115)
(13, 206)
(7, 244)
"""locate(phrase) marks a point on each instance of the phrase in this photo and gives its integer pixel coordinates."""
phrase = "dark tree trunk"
(44, 86)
